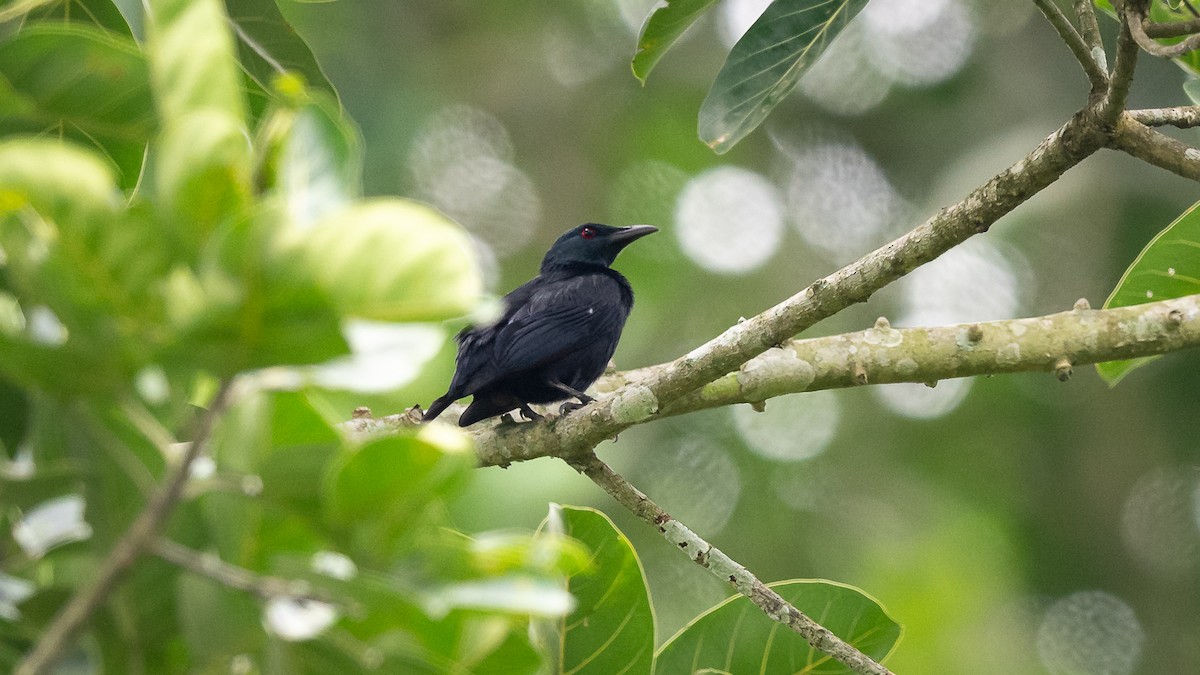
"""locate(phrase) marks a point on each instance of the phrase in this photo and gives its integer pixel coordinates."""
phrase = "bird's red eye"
(588, 232)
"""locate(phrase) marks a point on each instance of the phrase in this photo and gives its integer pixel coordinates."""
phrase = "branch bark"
(140, 536)
(1155, 148)
(878, 355)
(1184, 117)
(712, 559)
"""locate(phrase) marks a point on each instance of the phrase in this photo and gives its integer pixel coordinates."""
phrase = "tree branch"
(712, 559)
(140, 536)
(1082, 51)
(239, 578)
(1089, 26)
(1172, 28)
(1184, 117)
(1124, 64)
(878, 355)
(1138, 30)
(1155, 148)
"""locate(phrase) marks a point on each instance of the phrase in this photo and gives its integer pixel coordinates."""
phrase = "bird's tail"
(437, 407)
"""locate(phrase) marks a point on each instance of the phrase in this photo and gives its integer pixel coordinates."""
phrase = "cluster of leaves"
(180, 204)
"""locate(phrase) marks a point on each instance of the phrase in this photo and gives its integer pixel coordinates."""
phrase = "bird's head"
(593, 244)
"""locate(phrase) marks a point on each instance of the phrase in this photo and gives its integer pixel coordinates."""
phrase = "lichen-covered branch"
(725, 568)
(883, 354)
(878, 355)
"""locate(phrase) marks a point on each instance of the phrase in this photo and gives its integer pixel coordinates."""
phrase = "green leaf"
(320, 162)
(250, 305)
(765, 65)
(383, 488)
(268, 46)
(202, 174)
(1169, 267)
(391, 260)
(73, 247)
(192, 59)
(665, 25)
(736, 637)
(611, 629)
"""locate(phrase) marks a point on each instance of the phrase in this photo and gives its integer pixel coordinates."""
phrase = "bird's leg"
(529, 414)
(567, 407)
(584, 399)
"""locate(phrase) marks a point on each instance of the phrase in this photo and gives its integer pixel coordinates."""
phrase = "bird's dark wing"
(557, 318)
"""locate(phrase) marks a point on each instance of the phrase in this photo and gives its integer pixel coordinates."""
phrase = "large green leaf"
(390, 260)
(250, 305)
(1169, 267)
(765, 65)
(319, 164)
(383, 488)
(203, 174)
(268, 46)
(73, 247)
(665, 25)
(193, 59)
(736, 637)
(611, 629)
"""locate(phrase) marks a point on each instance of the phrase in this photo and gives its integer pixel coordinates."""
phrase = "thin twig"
(239, 578)
(1171, 29)
(140, 536)
(1146, 42)
(1075, 42)
(1184, 117)
(1123, 66)
(712, 559)
(1156, 148)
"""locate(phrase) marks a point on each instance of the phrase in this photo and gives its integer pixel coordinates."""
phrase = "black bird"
(556, 334)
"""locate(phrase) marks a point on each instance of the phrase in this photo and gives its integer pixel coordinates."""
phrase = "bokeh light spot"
(1158, 523)
(974, 281)
(918, 42)
(696, 480)
(840, 201)
(920, 401)
(790, 428)
(461, 162)
(729, 220)
(1090, 633)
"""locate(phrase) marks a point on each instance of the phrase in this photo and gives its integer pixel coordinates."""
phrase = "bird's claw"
(569, 406)
(530, 415)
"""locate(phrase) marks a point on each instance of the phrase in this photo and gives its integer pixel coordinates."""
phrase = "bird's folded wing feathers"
(554, 322)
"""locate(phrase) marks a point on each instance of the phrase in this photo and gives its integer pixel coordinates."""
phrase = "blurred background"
(1012, 524)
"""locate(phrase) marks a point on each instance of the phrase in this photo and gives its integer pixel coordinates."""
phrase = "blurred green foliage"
(196, 203)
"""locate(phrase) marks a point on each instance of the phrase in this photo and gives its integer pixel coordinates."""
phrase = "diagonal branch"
(132, 545)
(1138, 29)
(1075, 42)
(728, 570)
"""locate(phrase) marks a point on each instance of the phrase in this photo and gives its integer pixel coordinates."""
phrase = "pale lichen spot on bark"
(883, 335)
(634, 404)
(1009, 354)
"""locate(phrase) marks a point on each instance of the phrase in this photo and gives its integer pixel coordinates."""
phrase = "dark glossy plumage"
(556, 334)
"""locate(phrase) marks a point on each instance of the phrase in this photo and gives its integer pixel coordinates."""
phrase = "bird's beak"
(627, 234)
